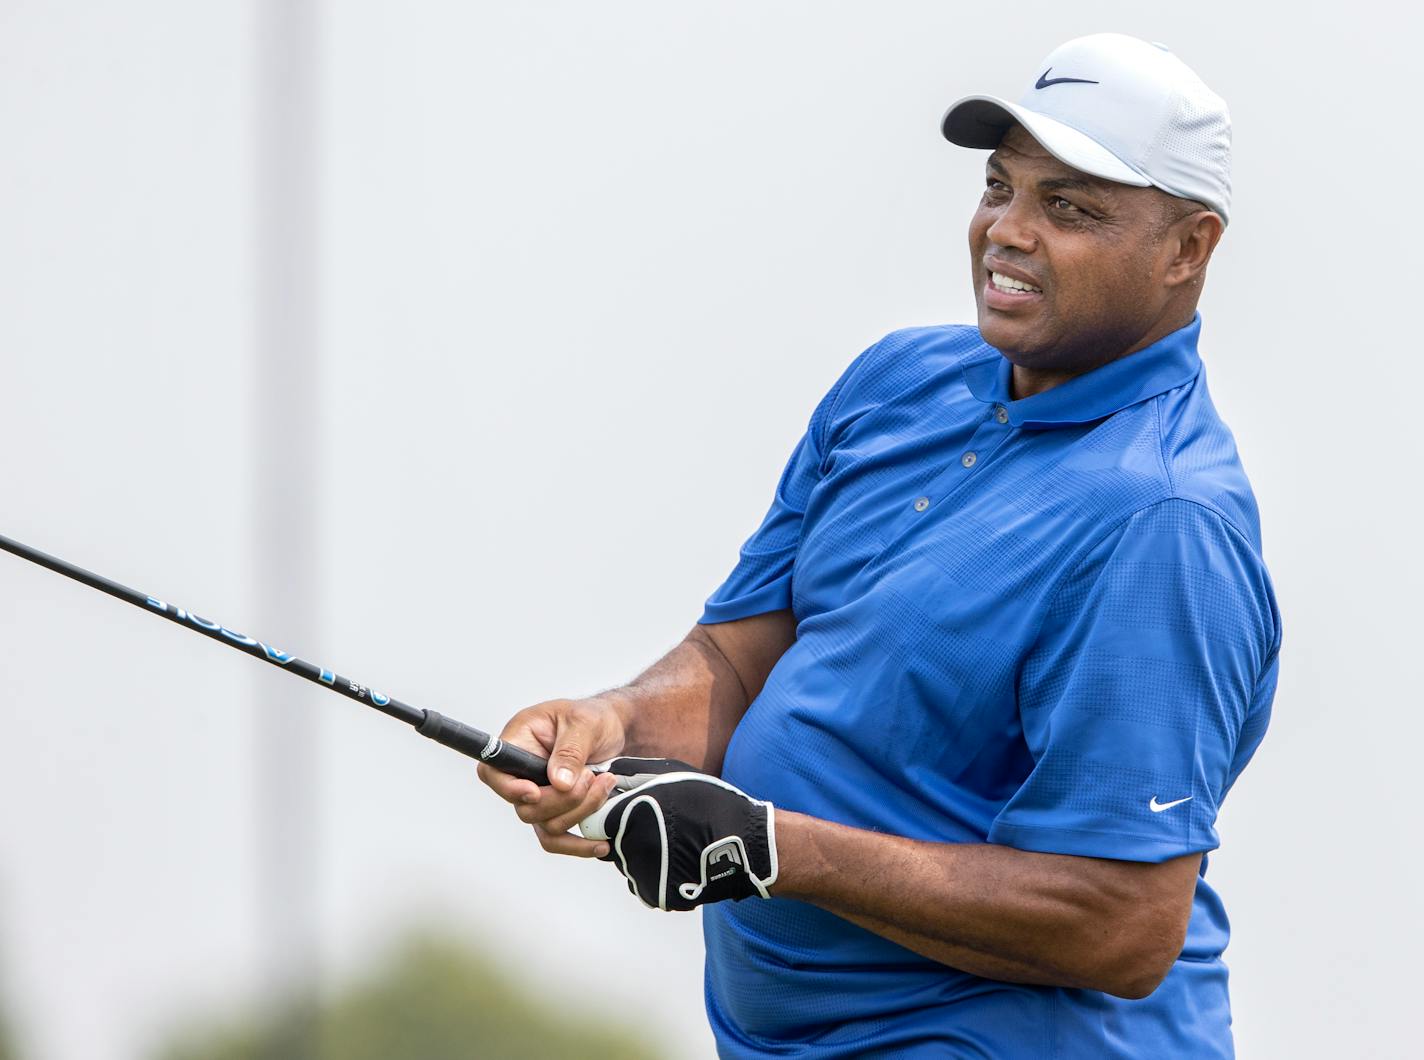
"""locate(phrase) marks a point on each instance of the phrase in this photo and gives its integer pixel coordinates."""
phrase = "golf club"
(453, 734)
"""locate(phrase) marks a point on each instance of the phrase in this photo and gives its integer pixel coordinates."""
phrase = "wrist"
(796, 855)
(623, 705)
(622, 712)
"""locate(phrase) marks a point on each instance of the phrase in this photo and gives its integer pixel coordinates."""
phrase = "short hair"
(1172, 208)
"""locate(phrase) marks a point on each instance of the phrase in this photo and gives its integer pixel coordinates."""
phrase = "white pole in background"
(286, 500)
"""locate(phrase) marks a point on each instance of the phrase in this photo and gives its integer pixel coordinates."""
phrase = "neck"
(1026, 381)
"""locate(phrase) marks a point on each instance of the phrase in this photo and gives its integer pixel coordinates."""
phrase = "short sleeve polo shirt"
(1043, 623)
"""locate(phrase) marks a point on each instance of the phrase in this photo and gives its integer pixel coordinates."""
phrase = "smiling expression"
(1071, 271)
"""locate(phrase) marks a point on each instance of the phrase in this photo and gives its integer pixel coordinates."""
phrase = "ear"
(1192, 239)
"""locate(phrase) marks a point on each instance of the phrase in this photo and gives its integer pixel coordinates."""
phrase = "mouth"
(1005, 291)
(1011, 284)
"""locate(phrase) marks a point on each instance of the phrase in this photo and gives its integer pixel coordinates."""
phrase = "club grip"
(491, 750)
(518, 762)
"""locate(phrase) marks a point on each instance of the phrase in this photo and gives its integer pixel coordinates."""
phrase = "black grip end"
(483, 747)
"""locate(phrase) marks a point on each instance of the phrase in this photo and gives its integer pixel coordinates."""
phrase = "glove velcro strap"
(725, 858)
(635, 772)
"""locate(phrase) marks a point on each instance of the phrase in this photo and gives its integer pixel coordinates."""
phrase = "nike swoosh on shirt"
(1158, 807)
(1044, 80)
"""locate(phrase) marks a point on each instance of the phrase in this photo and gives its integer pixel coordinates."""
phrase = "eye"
(1061, 205)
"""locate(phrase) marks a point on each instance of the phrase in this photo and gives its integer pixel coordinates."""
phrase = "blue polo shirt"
(1041, 623)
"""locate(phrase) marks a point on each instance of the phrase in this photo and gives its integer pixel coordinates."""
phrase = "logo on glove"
(683, 838)
(729, 851)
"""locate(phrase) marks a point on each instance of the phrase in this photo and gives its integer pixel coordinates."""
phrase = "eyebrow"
(1090, 187)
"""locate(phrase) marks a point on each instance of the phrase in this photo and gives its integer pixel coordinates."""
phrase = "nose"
(1013, 227)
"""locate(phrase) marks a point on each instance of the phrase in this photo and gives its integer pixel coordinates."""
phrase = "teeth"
(1008, 283)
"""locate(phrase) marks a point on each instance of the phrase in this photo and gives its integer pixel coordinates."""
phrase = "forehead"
(1018, 152)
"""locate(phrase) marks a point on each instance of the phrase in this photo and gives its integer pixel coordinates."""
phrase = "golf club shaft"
(453, 734)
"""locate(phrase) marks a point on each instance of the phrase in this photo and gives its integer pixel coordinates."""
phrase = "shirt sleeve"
(1146, 692)
(761, 580)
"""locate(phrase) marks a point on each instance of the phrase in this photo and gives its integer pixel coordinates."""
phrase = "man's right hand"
(571, 733)
(687, 705)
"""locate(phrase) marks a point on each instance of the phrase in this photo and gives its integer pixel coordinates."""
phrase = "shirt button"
(921, 504)
(968, 459)
(1001, 414)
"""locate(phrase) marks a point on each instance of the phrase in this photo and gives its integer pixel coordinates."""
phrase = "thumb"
(573, 737)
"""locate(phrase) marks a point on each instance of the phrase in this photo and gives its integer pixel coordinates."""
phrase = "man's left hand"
(684, 839)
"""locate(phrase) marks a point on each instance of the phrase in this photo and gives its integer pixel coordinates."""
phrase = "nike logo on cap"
(1044, 80)
(1158, 807)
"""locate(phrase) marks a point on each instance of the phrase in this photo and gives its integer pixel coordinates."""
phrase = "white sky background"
(587, 268)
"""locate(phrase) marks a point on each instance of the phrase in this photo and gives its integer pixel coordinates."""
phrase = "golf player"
(944, 755)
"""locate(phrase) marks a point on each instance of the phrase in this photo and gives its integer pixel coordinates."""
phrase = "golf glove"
(683, 838)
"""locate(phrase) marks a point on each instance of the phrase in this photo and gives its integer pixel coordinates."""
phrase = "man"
(958, 725)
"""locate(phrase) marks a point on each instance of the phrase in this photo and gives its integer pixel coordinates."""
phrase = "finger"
(598, 793)
(551, 803)
(569, 844)
(510, 789)
(573, 739)
(533, 727)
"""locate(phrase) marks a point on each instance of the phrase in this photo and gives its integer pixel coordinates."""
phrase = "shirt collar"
(1168, 363)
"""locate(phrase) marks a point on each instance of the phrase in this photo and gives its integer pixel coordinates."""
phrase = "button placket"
(985, 441)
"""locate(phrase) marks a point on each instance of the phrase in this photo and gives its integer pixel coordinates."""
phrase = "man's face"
(1092, 248)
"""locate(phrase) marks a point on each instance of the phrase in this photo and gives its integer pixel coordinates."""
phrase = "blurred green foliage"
(429, 999)
(7, 1046)
(8, 1049)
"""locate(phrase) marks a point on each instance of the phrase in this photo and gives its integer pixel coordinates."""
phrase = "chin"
(1013, 342)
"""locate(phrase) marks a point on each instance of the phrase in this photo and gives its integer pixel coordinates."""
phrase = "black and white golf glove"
(683, 838)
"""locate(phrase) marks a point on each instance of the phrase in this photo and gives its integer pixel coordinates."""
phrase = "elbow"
(1138, 966)
(1138, 983)
(1133, 924)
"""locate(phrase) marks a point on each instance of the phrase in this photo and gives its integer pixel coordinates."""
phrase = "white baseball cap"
(1118, 108)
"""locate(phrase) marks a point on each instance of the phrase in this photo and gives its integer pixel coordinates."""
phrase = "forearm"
(989, 910)
(684, 706)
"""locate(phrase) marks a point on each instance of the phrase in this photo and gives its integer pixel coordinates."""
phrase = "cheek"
(1123, 283)
(978, 230)
(1081, 294)
(1096, 290)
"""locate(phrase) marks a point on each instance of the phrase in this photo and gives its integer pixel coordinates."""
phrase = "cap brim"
(981, 121)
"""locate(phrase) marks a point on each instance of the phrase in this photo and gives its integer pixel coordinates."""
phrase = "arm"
(684, 706)
(995, 911)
